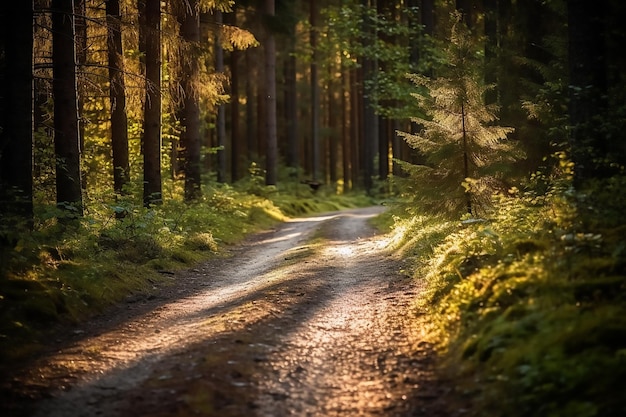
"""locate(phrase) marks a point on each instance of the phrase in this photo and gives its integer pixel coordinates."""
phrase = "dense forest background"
(137, 93)
(146, 133)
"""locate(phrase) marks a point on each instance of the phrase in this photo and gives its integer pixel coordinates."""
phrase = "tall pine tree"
(465, 150)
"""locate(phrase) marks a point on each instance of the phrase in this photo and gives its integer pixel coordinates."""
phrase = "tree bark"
(82, 49)
(117, 96)
(387, 11)
(66, 123)
(355, 125)
(588, 87)
(414, 24)
(235, 137)
(190, 112)
(315, 94)
(16, 143)
(333, 128)
(427, 15)
(370, 119)
(466, 173)
(466, 7)
(491, 49)
(345, 131)
(221, 109)
(271, 157)
(251, 110)
(384, 135)
(261, 104)
(151, 139)
(291, 106)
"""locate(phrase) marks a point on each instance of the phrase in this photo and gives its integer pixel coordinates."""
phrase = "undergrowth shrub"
(67, 270)
(528, 304)
(202, 242)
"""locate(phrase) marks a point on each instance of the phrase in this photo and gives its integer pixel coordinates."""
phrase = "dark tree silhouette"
(117, 97)
(315, 94)
(190, 112)
(235, 131)
(16, 142)
(588, 87)
(221, 108)
(151, 139)
(66, 129)
(270, 98)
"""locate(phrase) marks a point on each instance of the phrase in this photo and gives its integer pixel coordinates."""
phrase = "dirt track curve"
(282, 327)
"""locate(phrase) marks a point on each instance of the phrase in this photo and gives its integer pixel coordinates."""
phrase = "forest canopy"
(135, 94)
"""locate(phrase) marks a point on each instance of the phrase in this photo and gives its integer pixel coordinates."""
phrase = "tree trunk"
(190, 113)
(370, 119)
(82, 48)
(151, 140)
(315, 94)
(271, 169)
(466, 173)
(384, 125)
(427, 16)
(261, 104)
(345, 131)
(397, 146)
(355, 125)
(414, 27)
(117, 95)
(466, 7)
(491, 49)
(66, 124)
(291, 106)
(333, 127)
(16, 142)
(387, 11)
(235, 132)
(251, 111)
(588, 87)
(221, 109)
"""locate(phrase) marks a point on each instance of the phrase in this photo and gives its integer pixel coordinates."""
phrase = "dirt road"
(310, 319)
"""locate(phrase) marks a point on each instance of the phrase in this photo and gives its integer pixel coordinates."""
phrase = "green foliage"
(254, 182)
(355, 31)
(64, 270)
(466, 154)
(529, 304)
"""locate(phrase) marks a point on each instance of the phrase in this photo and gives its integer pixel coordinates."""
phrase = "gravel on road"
(312, 318)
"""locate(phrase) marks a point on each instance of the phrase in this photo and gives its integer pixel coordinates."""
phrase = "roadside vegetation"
(524, 276)
(526, 303)
(68, 270)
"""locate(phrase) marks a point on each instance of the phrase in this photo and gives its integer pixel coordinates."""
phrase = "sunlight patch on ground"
(316, 219)
(386, 242)
(242, 304)
(281, 238)
(344, 251)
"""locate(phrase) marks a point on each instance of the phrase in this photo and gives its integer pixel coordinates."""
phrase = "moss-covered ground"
(528, 303)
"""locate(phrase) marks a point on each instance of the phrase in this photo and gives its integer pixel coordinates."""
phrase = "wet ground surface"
(310, 319)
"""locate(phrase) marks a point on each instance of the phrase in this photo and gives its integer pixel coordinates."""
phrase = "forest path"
(310, 319)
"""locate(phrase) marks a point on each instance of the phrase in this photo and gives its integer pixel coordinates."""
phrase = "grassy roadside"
(67, 271)
(527, 306)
